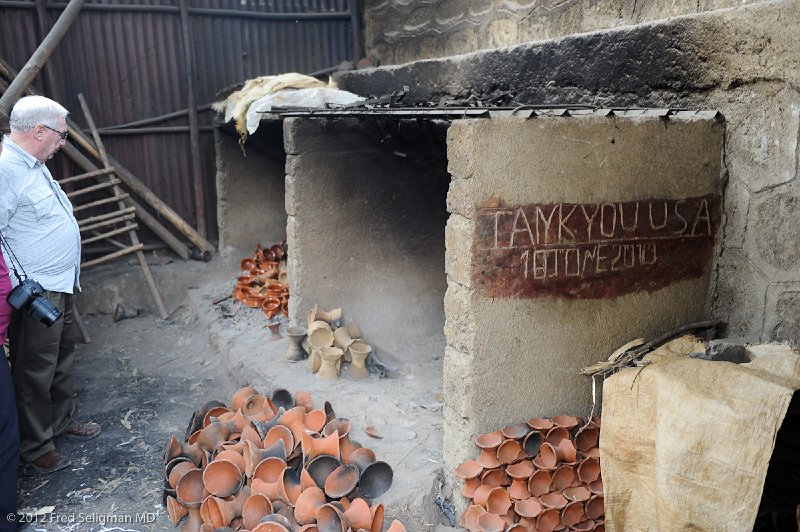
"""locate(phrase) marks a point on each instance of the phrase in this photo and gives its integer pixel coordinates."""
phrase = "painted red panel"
(592, 250)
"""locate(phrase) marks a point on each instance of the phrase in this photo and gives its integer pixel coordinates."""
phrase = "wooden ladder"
(112, 224)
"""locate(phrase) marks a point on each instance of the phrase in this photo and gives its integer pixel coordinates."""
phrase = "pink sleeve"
(5, 308)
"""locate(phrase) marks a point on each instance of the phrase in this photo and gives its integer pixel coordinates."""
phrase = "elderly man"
(43, 239)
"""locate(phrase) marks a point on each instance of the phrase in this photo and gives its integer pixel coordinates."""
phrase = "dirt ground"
(142, 378)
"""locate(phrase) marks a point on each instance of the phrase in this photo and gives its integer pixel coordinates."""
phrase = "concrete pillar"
(567, 238)
(366, 203)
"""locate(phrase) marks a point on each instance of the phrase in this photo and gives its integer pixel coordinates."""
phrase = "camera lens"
(44, 311)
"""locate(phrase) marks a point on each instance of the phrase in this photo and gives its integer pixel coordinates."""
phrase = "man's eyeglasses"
(62, 134)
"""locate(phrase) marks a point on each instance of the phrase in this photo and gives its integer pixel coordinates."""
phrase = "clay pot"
(541, 424)
(358, 516)
(495, 478)
(213, 414)
(566, 452)
(554, 499)
(490, 522)
(488, 459)
(189, 489)
(289, 486)
(342, 338)
(516, 432)
(584, 526)
(255, 508)
(177, 449)
(315, 421)
(376, 479)
(509, 451)
(540, 482)
(547, 458)
(240, 397)
(194, 522)
(359, 351)
(572, 514)
(482, 494)
(468, 470)
(271, 526)
(469, 487)
(532, 442)
(397, 526)
(331, 362)
(235, 421)
(315, 360)
(220, 513)
(269, 470)
(330, 519)
(307, 505)
(281, 397)
(589, 470)
(595, 507)
(247, 264)
(222, 478)
(469, 519)
(232, 456)
(596, 487)
(341, 481)
(519, 489)
(271, 305)
(568, 422)
(498, 502)
(549, 520)
(176, 510)
(563, 477)
(556, 435)
(303, 398)
(352, 329)
(377, 518)
(362, 457)
(313, 447)
(320, 468)
(528, 507)
(294, 419)
(520, 470)
(296, 335)
(490, 440)
(587, 439)
(332, 316)
(577, 493)
(180, 467)
(319, 337)
(279, 433)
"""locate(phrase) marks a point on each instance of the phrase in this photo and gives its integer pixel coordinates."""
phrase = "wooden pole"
(39, 57)
(151, 283)
(76, 316)
(194, 130)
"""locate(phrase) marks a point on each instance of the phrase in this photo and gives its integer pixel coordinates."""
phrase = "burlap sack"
(685, 443)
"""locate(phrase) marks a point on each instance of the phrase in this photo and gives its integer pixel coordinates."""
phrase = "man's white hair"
(32, 110)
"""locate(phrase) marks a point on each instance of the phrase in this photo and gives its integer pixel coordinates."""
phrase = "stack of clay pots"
(273, 464)
(330, 343)
(541, 475)
(263, 281)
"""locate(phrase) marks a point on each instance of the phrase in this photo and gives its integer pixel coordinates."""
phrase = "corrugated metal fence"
(126, 57)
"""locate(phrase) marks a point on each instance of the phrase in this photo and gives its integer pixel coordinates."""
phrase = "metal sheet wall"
(126, 57)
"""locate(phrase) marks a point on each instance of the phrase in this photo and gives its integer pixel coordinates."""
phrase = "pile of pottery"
(541, 475)
(329, 343)
(263, 282)
(273, 464)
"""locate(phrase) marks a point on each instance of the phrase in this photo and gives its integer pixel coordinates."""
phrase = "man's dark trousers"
(9, 449)
(42, 363)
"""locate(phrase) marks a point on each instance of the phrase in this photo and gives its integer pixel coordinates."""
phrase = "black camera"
(28, 296)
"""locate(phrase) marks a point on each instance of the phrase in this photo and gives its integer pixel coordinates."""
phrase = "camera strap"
(12, 255)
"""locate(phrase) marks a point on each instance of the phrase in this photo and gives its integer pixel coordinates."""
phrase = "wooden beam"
(98, 203)
(93, 188)
(112, 256)
(108, 216)
(103, 236)
(105, 223)
(39, 57)
(79, 177)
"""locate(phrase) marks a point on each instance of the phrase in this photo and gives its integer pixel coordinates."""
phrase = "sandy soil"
(142, 378)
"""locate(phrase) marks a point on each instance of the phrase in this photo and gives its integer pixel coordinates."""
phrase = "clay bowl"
(363, 457)
(490, 522)
(519, 490)
(554, 499)
(528, 508)
(490, 440)
(540, 482)
(175, 510)
(532, 442)
(469, 487)
(222, 478)
(520, 470)
(307, 505)
(279, 433)
(577, 493)
(549, 520)
(232, 456)
(469, 519)
(594, 508)
(568, 422)
(240, 397)
(321, 467)
(596, 487)
(247, 264)
(339, 425)
(376, 479)
(315, 421)
(498, 502)
(556, 435)
(255, 508)
(329, 519)
(495, 477)
(481, 494)
(468, 470)
(313, 447)
(589, 470)
(572, 514)
(190, 488)
(566, 451)
(541, 424)
(516, 432)
(563, 477)
(289, 486)
(269, 469)
(270, 306)
(342, 481)
(180, 466)
(547, 459)
(358, 516)
(509, 451)
(587, 439)
(488, 459)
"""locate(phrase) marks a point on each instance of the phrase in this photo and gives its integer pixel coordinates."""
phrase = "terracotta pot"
(482, 494)
(469, 487)
(469, 469)
(222, 478)
(566, 452)
(495, 478)
(319, 335)
(294, 419)
(520, 470)
(235, 421)
(213, 414)
(541, 424)
(240, 397)
(547, 458)
(563, 477)
(376, 479)
(194, 522)
(532, 442)
(556, 435)
(516, 432)
(489, 440)
(577, 493)
(568, 422)
(341, 481)
(296, 335)
(589, 470)
(549, 520)
(280, 433)
(488, 459)
(359, 351)
(519, 489)
(176, 510)
(232, 456)
(330, 519)
(271, 527)
(321, 467)
(554, 499)
(509, 451)
(540, 482)
(595, 507)
(247, 264)
(587, 438)
(221, 512)
(396, 526)
(271, 306)
(358, 516)
(289, 486)
(303, 398)
(572, 514)
(469, 519)
(180, 467)
(315, 420)
(362, 457)
(254, 509)
(307, 505)
(189, 489)
(529, 507)
(177, 449)
(331, 362)
(254, 455)
(313, 447)
(596, 487)
(377, 511)
(498, 502)
(269, 470)
(490, 522)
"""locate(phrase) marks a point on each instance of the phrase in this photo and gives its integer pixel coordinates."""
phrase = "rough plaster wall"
(366, 204)
(509, 359)
(250, 199)
(743, 62)
(399, 32)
